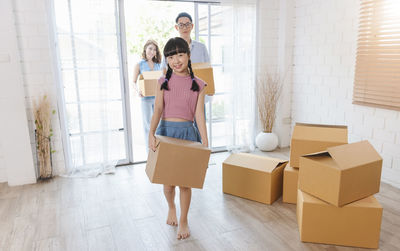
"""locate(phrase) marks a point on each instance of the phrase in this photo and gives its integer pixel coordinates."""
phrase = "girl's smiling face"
(179, 63)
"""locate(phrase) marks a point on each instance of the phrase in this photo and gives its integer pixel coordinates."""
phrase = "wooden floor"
(126, 212)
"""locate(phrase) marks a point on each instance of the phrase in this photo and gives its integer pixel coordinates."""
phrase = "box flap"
(369, 202)
(186, 143)
(152, 75)
(323, 153)
(321, 125)
(252, 161)
(313, 132)
(355, 154)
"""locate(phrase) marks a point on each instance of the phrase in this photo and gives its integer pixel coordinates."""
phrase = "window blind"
(377, 73)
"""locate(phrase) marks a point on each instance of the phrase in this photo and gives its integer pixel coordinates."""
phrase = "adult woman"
(151, 61)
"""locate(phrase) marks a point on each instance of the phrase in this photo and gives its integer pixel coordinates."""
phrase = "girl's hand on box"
(152, 142)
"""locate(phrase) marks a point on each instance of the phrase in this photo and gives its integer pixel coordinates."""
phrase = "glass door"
(209, 32)
(146, 20)
(87, 34)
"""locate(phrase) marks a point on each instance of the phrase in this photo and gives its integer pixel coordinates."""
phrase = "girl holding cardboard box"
(151, 61)
(179, 100)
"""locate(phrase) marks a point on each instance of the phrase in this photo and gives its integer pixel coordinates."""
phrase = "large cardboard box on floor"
(204, 71)
(253, 177)
(342, 174)
(357, 224)
(178, 162)
(311, 138)
(290, 184)
(148, 82)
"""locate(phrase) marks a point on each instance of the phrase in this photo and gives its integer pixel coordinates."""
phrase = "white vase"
(266, 141)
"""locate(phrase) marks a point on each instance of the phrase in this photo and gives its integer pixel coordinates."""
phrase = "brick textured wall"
(274, 54)
(34, 43)
(325, 42)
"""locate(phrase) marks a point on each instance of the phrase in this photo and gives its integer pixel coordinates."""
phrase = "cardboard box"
(148, 82)
(357, 224)
(204, 71)
(253, 177)
(178, 162)
(290, 184)
(342, 174)
(311, 138)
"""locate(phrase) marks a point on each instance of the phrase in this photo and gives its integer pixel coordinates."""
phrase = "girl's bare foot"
(183, 230)
(172, 220)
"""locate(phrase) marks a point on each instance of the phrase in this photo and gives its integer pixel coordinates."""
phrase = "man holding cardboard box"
(198, 53)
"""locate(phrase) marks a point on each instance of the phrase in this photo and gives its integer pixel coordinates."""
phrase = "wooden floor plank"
(126, 212)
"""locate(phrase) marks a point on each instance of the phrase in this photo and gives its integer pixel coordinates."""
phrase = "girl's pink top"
(179, 100)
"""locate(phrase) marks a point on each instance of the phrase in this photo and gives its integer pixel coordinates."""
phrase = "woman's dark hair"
(174, 46)
(157, 57)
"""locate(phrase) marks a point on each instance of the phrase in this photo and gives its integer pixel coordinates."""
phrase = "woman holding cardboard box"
(151, 61)
(179, 100)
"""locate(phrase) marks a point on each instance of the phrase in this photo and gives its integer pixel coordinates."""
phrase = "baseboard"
(391, 176)
(3, 175)
(22, 181)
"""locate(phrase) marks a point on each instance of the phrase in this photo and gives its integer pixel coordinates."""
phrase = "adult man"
(198, 51)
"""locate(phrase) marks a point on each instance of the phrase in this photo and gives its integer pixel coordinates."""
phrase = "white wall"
(16, 160)
(31, 31)
(325, 41)
(275, 43)
(33, 25)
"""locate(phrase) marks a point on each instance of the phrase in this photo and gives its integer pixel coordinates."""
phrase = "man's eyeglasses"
(186, 25)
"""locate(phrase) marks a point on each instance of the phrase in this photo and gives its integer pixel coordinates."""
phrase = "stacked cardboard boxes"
(306, 139)
(311, 138)
(290, 184)
(253, 177)
(356, 224)
(335, 202)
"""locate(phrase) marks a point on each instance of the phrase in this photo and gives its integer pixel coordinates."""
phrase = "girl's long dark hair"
(174, 46)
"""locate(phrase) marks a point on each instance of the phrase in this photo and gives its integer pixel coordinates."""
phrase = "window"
(377, 75)
(87, 35)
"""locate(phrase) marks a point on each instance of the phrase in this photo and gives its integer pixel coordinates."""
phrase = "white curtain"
(240, 72)
(89, 64)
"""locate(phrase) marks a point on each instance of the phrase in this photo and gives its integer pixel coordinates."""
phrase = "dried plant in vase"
(269, 88)
(43, 134)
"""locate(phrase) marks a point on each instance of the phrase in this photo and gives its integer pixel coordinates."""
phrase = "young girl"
(179, 100)
(151, 61)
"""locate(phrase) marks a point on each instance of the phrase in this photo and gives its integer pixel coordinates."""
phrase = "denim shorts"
(180, 130)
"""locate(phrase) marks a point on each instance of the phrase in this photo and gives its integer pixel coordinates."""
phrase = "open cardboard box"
(357, 224)
(290, 184)
(311, 138)
(204, 71)
(148, 82)
(342, 174)
(253, 177)
(178, 162)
